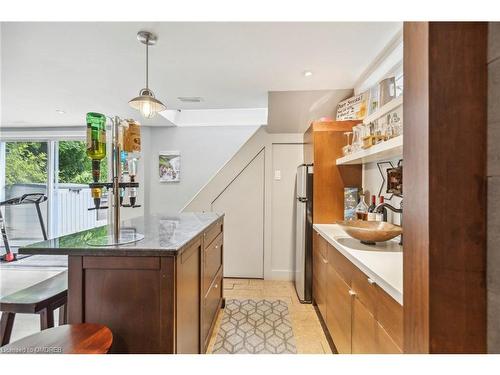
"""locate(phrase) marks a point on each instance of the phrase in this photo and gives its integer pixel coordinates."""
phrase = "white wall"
(204, 150)
(293, 111)
(285, 158)
(278, 258)
(242, 202)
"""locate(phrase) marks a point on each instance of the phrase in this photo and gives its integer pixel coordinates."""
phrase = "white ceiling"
(81, 67)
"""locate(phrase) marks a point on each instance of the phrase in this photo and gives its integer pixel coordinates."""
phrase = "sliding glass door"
(26, 171)
(72, 193)
(59, 169)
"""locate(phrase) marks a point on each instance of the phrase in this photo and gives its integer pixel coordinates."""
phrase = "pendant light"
(146, 102)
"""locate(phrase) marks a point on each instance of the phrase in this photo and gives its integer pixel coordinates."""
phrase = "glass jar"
(361, 209)
(357, 138)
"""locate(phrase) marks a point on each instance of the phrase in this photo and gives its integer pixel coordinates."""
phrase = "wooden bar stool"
(42, 298)
(85, 338)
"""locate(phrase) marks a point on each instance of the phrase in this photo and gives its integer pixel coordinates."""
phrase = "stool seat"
(85, 338)
(42, 299)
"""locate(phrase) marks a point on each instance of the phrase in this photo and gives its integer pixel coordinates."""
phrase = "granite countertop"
(382, 262)
(163, 235)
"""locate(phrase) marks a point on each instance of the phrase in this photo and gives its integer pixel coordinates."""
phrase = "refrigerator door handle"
(302, 199)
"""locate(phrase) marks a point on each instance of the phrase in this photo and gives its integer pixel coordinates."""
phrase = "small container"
(361, 209)
(351, 198)
(387, 90)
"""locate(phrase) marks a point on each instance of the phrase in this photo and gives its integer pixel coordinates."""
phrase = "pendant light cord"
(147, 63)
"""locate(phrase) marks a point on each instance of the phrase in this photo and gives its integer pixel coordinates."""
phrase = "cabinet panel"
(364, 330)
(365, 290)
(390, 316)
(188, 300)
(212, 233)
(340, 263)
(212, 260)
(385, 344)
(319, 276)
(211, 304)
(338, 311)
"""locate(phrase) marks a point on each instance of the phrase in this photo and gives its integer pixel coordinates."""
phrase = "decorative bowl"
(370, 232)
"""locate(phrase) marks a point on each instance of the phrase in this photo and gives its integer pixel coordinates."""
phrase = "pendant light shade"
(146, 103)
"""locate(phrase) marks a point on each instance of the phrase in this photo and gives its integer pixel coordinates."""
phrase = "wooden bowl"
(370, 232)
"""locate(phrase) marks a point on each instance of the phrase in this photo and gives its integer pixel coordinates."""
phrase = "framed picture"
(169, 166)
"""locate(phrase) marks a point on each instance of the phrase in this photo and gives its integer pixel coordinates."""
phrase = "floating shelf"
(389, 107)
(384, 150)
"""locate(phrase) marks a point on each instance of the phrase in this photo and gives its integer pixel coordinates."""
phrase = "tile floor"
(309, 335)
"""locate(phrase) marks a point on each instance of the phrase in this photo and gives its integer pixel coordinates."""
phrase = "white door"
(243, 204)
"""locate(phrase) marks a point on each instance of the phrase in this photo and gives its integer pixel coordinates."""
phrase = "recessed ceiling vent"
(190, 99)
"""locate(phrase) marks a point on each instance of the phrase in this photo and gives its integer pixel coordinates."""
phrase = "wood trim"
(75, 290)
(445, 187)
(332, 125)
(323, 142)
(121, 263)
(167, 305)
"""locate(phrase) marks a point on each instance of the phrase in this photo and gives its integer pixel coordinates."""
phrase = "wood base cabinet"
(152, 304)
(360, 316)
(339, 311)
(320, 270)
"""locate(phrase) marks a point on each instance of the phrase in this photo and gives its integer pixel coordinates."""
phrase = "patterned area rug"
(255, 327)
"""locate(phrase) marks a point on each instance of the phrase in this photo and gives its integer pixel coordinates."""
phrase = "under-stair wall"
(255, 189)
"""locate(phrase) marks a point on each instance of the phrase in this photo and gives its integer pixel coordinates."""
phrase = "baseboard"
(282, 275)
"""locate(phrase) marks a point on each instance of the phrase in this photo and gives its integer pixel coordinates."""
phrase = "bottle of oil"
(96, 149)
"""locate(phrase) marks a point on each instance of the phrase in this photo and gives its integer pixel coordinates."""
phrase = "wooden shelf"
(389, 107)
(384, 150)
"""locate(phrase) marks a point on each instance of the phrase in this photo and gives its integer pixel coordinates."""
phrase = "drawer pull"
(216, 247)
(352, 293)
(371, 282)
(324, 260)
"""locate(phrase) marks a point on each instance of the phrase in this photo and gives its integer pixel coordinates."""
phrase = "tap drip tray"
(127, 236)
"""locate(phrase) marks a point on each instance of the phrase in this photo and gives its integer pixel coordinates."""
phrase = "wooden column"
(445, 187)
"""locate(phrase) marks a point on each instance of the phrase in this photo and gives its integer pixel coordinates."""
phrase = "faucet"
(380, 206)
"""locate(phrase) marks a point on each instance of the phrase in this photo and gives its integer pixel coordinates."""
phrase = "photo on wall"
(170, 166)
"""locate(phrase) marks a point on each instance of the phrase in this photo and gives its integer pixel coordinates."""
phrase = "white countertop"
(382, 262)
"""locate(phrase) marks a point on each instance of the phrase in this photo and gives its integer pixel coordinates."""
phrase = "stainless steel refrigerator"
(304, 233)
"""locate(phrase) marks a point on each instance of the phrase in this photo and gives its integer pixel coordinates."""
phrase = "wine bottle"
(96, 149)
(384, 211)
(96, 141)
(371, 210)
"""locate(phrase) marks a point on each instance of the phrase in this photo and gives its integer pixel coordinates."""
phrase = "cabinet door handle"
(352, 293)
(217, 246)
(371, 282)
(216, 286)
(324, 260)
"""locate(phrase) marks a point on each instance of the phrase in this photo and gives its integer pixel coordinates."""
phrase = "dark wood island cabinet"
(158, 295)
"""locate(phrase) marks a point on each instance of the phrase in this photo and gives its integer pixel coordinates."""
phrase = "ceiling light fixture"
(307, 73)
(60, 111)
(146, 102)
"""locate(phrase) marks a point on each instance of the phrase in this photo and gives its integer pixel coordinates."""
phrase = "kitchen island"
(158, 295)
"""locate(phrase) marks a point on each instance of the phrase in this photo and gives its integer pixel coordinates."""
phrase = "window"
(26, 166)
(73, 198)
(59, 169)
